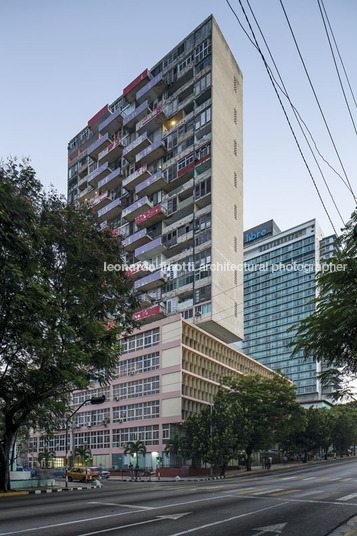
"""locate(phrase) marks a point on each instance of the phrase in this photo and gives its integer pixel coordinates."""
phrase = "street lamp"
(94, 400)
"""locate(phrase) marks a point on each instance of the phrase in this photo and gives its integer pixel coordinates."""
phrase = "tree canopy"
(330, 333)
(56, 302)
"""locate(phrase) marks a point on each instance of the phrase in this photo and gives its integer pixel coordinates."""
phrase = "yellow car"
(81, 474)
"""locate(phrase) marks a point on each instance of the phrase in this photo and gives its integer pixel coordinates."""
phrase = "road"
(306, 501)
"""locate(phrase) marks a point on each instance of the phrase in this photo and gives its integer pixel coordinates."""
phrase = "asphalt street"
(306, 501)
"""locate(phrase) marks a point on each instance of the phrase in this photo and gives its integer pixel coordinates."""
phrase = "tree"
(330, 333)
(269, 411)
(214, 435)
(46, 456)
(135, 448)
(173, 447)
(316, 435)
(343, 429)
(56, 301)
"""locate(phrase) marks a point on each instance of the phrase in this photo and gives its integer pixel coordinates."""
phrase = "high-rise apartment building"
(162, 167)
(279, 284)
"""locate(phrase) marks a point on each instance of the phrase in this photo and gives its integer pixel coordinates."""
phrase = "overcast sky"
(63, 61)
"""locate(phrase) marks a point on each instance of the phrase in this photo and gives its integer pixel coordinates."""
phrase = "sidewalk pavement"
(347, 529)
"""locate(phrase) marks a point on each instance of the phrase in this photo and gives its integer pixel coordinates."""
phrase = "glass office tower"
(279, 285)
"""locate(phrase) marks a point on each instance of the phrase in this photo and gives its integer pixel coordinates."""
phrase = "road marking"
(284, 492)
(272, 528)
(288, 478)
(325, 495)
(123, 505)
(106, 516)
(351, 533)
(347, 497)
(345, 479)
(322, 478)
(251, 491)
(310, 478)
(157, 518)
(270, 491)
(227, 520)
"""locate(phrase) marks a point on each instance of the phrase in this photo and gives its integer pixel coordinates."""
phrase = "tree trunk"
(5, 450)
(223, 469)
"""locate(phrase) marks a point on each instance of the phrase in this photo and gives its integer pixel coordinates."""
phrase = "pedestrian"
(270, 462)
(131, 471)
(285, 460)
(263, 463)
(137, 472)
(266, 462)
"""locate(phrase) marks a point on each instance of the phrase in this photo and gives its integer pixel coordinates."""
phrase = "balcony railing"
(129, 92)
(152, 216)
(151, 281)
(112, 181)
(98, 174)
(134, 117)
(151, 185)
(151, 314)
(152, 121)
(135, 178)
(98, 146)
(137, 145)
(153, 152)
(136, 240)
(150, 250)
(113, 123)
(133, 210)
(110, 211)
(152, 89)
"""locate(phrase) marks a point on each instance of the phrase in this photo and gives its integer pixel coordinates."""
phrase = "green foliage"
(269, 411)
(135, 448)
(46, 456)
(343, 428)
(213, 435)
(330, 333)
(316, 435)
(55, 303)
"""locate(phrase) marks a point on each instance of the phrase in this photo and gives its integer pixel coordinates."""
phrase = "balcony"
(129, 92)
(112, 180)
(152, 89)
(152, 121)
(98, 174)
(150, 250)
(145, 300)
(98, 146)
(83, 183)
(136, 240)
(141, 111)
(153, 152)
(100, 201)
(110, 211)
(135, 178)
(138, 270)
(152, 216)
(87, 194)
(184, 242)
(98, 117)
(111, 153)
(151, 314)
(133, 210)
(151, 185)
(122, 231)
(151, 281)
(184, 305)
(113, 123)
(83, 170)
(137, 145)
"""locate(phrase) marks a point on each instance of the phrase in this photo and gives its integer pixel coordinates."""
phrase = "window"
(137, 412)
(149, 435)
(203, 118)
(203, 50)
(235, 148)
(235, 277)
(143, 363)
(170, 173)
(235, 309)
(141, 340)
(207, 61)
(203, 151)
(181, 66)
(235, 244)
(235, 212)
(143, 387)
(202, 84)
(188, 159)
(235, 180)
(203, 188)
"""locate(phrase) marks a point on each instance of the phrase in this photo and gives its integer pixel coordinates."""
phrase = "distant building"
(279, 284)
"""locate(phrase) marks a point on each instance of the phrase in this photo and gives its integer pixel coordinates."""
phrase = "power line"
(339, 55)
(298, 117)
(316, 98)
(336, 66)
(284, 111)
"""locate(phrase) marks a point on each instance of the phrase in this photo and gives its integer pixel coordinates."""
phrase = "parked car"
(81, 474)
(102, 472)
(59, 472)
